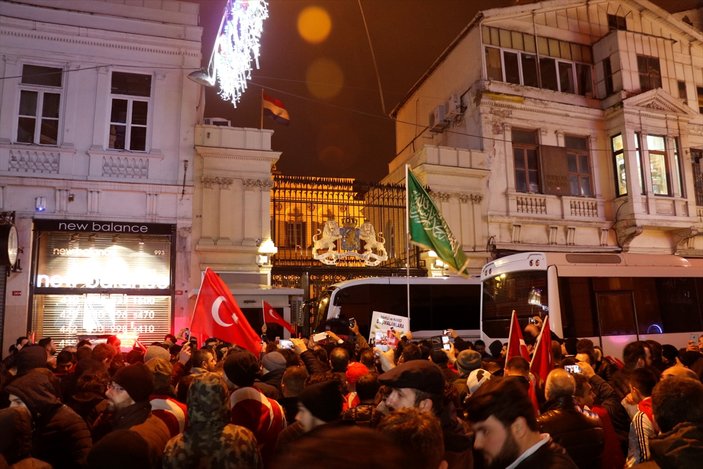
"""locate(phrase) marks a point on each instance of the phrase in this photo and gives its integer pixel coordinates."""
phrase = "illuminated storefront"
(97, 278)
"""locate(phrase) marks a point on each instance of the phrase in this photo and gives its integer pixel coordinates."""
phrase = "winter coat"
(209, 440)
(60, 436)
(680, 447)
(581, 435)
(548, 456)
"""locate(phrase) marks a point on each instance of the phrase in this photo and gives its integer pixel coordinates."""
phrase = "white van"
(436, 303)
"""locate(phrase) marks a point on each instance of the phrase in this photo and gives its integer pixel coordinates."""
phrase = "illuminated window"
(526, 160)
(40, 105)
(129, 111)
(616, 145)
(664, 166)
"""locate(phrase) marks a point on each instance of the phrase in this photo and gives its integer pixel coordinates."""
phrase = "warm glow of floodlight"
(314, 24)
(237, 46)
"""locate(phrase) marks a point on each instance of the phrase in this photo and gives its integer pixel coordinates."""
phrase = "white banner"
(384, 327)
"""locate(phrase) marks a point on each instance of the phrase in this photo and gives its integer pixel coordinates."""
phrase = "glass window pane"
(583, 74)
(51, 105)
(524, 136)
(495, 37)
(505, 39)
(531, 158)
(494, 70)
(119, 111)
(25, 129)
(139, 112)
(574, 185)
(542, 45)
(621, 174)
(617, 142)
(586, 186)
(529, 43)
(657, 164)
(566, 77)
(519, 158)
(548, 71)
(131, 83)
(553, 47)
(49, 131)
(486, 34)
(512, 71)
(529, 70)
(38, 75)
(565, 50)
(579, 143)
(656, 142)
(520, 181)
(117, 136)
(571, 163)
(583, 163)
(517, 40)
(28, 103)
(137, 138)
(534, 182)
(576, 52)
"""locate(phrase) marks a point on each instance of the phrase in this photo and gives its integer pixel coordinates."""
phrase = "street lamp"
(266, 251)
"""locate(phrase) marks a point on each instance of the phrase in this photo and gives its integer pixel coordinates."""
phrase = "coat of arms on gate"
(327, 241)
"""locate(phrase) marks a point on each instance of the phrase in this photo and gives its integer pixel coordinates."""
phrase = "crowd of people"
(340, 403)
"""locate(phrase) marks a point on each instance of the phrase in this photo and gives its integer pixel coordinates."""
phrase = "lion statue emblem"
(372, 245)
(324, 241)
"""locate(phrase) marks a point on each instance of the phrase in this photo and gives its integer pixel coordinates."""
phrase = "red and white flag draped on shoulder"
(217, 314)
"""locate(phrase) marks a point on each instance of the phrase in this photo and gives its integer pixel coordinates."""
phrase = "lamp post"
(264, 258)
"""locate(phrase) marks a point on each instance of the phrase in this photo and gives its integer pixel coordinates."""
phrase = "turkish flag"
(516, 344)
(217, 314)
(271, 316)
(542, 357)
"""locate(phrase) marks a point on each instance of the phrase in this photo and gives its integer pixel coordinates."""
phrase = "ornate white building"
(564, 125)
(97, 122)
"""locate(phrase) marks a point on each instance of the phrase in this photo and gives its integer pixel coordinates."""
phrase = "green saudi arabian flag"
(428, 228)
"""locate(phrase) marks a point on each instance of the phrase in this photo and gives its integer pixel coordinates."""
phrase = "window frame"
(651, 75)
(619, 174)
(40, 91)
(129, 116)
(581, 173)
(524, 148)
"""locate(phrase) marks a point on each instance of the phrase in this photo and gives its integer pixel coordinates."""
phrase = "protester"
(580, 434)
(59, 435)
(419, 434)
(209, 440)
(420, 384)
(506, 432)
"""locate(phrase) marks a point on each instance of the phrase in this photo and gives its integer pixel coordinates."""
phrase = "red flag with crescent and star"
(516, 344)
(271, 316)
(216, 314)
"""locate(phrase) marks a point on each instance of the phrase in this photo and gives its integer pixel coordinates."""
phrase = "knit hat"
(156, 351)
(161, 369)
(30, 357)
(241, 368)
(323, 400)
(467, 361)
(416, 374)
(476, 379)
(137, 380)
(273, 361)
(356, 370)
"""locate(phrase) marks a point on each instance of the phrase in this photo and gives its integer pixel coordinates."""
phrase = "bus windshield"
(507, 292)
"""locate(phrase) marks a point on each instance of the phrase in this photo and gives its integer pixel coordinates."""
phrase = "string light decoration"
(237, 46)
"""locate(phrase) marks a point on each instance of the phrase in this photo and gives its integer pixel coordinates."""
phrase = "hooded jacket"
(60, 436)
(209, 440)
(681, 447)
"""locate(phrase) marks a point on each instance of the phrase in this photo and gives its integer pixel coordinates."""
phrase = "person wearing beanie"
(319, 404)
(466, 362)
(274, 365)
(163, 400)
(250, 408)
(129, 408)
(156, 351)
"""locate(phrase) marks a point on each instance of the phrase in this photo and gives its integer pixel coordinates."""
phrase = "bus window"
(508, 292)
(577, 307)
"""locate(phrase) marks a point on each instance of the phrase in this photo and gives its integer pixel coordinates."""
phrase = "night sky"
(325, 76)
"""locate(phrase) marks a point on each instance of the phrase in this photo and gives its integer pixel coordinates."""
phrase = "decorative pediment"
(658, 100)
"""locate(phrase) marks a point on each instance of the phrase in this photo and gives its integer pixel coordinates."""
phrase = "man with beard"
(506, 432)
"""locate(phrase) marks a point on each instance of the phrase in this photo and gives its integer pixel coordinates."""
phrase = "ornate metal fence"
(302, 208)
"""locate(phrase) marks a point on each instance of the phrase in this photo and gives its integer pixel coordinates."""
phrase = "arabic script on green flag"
(429, 229)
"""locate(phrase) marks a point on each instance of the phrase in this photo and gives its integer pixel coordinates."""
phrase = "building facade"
(564, 126)
(97, 124)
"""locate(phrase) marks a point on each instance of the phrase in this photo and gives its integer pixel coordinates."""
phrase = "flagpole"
(261, 112)
(407, 241)
(192, 314)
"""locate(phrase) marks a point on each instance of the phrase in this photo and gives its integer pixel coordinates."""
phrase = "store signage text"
(109, 227)
(91, 281)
